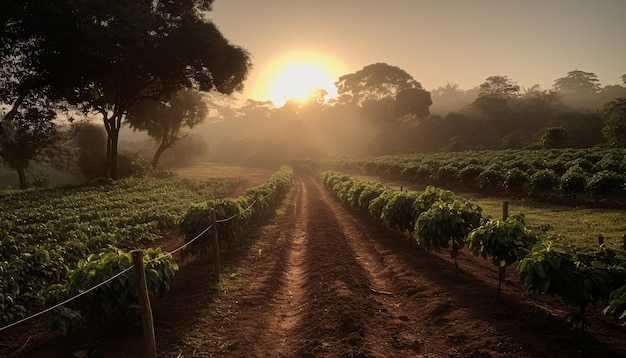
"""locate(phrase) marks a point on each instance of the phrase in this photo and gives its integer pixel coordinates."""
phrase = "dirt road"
(322, 281)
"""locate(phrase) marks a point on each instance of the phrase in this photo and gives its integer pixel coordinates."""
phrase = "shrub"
(491, 178)
(132, 165)
(447, 174)
(544, 181)
(606, 183)
(516, 179)
(573, 182)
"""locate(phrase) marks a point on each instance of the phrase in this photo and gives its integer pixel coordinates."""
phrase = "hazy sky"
(435, 41)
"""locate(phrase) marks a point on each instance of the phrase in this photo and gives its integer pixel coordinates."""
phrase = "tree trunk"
(112, 126)
(113, 156)
(155, 159)
(21, 173)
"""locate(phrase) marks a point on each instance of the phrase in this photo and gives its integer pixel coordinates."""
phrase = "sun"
(296, 75)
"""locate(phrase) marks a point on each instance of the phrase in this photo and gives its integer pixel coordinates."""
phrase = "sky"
(435, 41)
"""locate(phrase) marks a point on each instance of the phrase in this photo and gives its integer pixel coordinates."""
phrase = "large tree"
(27, 115)
(374, 82)
(30, 135)
(105, 56)
(500, 87)
(165, 120)
(577, 81)
(614, 130)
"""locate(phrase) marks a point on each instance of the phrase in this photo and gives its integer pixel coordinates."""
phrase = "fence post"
(505, 210)
(216, 248)
(144, 304)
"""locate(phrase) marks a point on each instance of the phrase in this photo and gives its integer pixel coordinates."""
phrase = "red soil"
(321, 281)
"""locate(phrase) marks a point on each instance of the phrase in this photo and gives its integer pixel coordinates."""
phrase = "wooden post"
(216, 248)
(144, 304)
(505, 210)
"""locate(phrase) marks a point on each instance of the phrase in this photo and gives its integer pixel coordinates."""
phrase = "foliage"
(542, 171)
(614, 114)
(579, 275)
(116, 298)
(445, 222)
(374, 82)
(506, 242)
(90, 141)
(44, 233)
(606, 183)
(132, 165)
(577, 81)
(574, 181)
(544, 181)
(397, 213)
(617, 305)
(164, 120)
(29, 135)
(555, 137)
(498, 87)
(233, 216)
(106, 57)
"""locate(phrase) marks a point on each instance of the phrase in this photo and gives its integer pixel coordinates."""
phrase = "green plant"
(447, 222)
(506, 242)
(115, 298)
(579, 275)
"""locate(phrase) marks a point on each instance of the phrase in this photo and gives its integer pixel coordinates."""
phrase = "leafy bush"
(397, 214)
(506, 242)
(132, 165)
(491, 178)
(447, 174)
(116, 298)
(606, 183)
(544, 181)
(515, 180)
(573, 182)
(469, 174)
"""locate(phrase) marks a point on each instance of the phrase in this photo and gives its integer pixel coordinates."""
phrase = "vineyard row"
(437, 218)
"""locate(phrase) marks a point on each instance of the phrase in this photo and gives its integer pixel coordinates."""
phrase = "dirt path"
(321, 281)
(324, 282)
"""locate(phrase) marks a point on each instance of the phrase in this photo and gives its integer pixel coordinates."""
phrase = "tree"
(90, 140)
(28, 136)
(500, 87)
(614, 130)
(164, 120)
(106, 56)
(555, 137)
(413, 102)
(27, 124)
(374, 82)
(577, 81)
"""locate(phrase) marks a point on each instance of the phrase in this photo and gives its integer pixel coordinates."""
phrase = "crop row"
(587, 173)
(45, 233)
(437, 218)
(236, 214)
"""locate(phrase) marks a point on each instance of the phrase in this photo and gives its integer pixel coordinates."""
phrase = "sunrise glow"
(296, 75)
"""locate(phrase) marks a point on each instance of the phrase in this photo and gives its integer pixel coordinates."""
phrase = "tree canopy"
(374, 82)
(106, 56)
(164, 120)
(614, 114)
(500, 87)
(577, 81)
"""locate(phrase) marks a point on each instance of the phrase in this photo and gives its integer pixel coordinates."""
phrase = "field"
(320, 280)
